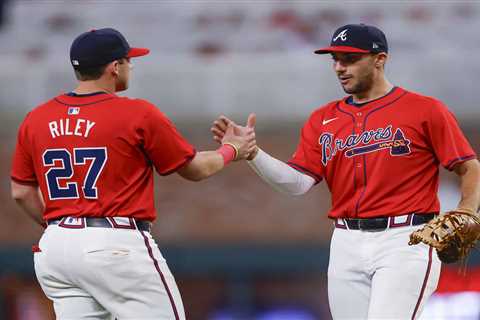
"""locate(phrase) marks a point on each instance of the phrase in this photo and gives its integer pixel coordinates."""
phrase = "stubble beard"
(362, 85)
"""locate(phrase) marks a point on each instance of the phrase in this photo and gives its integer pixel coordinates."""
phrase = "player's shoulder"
(139, 103)
(423, 101)
(142, 108)
(321, 111)
(43, 105)
(39, 110)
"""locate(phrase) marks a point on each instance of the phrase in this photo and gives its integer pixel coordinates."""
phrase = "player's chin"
(348, 89)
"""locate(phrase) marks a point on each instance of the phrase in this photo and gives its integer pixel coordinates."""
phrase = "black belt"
(382, 223)
(79, 223)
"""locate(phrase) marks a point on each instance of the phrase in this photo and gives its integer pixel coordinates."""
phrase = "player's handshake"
(223, 127)
(242, 139)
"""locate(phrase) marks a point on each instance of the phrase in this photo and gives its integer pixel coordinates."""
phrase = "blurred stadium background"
(237, 249)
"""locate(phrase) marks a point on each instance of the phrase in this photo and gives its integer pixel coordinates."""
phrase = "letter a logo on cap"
(342, 35)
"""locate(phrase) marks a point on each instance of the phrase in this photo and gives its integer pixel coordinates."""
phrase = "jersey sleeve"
(164, 145)
(447, 139)
(307, 157)
(23, 171)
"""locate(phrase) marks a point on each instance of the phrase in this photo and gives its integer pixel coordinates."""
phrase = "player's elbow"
(297, 192)
(16, 193)
(195, 177)
(20, 192)
(291, 190)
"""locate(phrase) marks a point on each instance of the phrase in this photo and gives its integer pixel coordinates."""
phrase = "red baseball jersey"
(93, 155)
(381, 158)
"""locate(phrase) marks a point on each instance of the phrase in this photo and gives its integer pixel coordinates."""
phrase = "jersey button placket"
(359, 122)
(358, 162)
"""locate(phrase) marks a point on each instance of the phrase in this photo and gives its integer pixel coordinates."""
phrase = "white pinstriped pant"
(106, 273)
(377, 275)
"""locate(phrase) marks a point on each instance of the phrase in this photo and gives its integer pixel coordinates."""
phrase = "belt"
(108, 222)
(382, 223)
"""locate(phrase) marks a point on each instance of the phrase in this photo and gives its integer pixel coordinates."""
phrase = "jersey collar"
(348, 104)
(74, 94)
(74, 99)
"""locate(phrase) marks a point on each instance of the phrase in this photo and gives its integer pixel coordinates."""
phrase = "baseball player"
(91, 154)
(379, 150)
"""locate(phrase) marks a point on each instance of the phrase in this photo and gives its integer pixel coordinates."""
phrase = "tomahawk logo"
(342, 35)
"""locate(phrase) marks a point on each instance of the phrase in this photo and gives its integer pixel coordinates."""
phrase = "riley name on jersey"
(69, 127)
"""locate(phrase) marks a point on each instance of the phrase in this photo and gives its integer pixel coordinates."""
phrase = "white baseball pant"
(377, 275)
(106, 273)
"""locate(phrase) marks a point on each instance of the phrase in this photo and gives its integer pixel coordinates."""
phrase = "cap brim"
(137, 52)
(345, 49)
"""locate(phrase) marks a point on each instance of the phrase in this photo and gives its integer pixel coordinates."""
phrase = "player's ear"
(114, 67)
(381, 59)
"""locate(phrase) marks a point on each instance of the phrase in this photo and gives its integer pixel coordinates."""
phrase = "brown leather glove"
(453, 234)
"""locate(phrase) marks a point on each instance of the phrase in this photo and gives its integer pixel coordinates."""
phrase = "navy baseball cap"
(360, 38)
(102, 46)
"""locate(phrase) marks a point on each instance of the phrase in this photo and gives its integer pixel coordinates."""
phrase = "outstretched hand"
(222, 125)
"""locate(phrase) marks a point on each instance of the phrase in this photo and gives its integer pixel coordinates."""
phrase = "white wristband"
(280, 175)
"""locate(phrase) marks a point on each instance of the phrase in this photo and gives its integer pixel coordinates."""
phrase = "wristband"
(229, 153)
(234, 148)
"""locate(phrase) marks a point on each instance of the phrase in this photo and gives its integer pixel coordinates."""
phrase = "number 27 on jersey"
(62, 168)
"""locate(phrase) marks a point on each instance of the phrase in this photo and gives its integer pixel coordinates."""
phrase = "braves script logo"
(357, 144)
(342, 35)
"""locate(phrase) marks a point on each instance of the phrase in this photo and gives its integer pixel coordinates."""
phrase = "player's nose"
(339, 67)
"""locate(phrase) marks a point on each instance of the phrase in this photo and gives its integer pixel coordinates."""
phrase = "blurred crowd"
(215, 28)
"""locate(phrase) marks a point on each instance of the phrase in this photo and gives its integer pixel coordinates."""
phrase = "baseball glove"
(453, 234)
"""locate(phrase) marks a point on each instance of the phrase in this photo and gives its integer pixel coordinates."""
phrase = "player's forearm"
(204, 165)
(29, 199)
(279, 175)
(469, 173)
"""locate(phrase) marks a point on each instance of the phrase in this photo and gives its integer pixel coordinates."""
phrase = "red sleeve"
(446, 137)
(307, 157)
(164, 145)
(22, 165)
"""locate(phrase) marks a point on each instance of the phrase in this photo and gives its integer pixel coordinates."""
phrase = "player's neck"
(378, 90)
(86, 87)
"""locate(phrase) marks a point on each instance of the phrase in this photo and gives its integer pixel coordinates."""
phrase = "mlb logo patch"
(73, 110)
